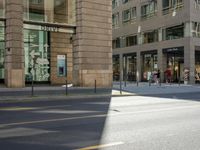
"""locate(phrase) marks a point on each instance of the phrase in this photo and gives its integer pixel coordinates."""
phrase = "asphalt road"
(160, 122)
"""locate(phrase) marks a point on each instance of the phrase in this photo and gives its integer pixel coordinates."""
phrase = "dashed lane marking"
(17, 108)
(101, 146)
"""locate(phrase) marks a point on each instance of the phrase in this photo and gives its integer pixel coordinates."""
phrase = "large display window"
(175, 63)
(116, 67)
(149, 64)
(130, 67)
(52, 11)
(197, 66)
(37, 55)
(2, 50)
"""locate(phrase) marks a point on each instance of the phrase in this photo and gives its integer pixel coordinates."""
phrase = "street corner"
(122, 93)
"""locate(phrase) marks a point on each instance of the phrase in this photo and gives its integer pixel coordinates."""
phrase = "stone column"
(189, 59)
(92, 50)
(14, 53)
(160, 64)
(139, 67)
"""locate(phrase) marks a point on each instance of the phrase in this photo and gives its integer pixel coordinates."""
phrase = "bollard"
(137, 83)
(179, 82)
(66, 88)
(95, 86)
(149, 82)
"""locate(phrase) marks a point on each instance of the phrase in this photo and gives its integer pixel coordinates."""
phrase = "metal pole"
(32, 86)
(160, 80)
(66, 89)
(137, 82)
(120, 86)
(95, 86)
(125, 81)
(179, 81)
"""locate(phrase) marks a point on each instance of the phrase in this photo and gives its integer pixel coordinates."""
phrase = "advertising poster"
(61, 65)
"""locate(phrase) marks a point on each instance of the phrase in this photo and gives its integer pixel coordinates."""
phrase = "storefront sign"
(61, 65)
(52, 29)
(173, 49)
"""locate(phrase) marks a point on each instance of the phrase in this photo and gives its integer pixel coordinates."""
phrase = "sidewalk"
(144, 88)
(51, 92)
(59, 92)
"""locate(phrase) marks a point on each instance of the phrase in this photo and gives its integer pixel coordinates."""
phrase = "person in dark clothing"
(158, 76)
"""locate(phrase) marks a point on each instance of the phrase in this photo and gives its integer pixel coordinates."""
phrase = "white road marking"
(18, 132)
(101, 146)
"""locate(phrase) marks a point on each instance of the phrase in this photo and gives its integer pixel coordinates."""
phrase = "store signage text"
(173, 49)
(51, 29)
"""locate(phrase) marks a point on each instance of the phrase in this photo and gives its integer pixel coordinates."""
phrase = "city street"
(156, 122)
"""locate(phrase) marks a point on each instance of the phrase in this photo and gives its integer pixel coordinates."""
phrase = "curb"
(11, 99)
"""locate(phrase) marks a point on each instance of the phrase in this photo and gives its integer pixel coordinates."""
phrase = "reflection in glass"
(36, 55)
(2, 48)
(116, 68)
(2, 8)
(34, 10)
(149, 65)
(52, 11)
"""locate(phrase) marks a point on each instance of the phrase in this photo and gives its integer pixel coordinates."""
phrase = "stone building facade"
(156, 35)
(51, 41)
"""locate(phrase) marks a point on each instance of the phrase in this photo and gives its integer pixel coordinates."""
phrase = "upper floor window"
(2, 8)
(171, 5)
(196, 29)
(126, 15)
(150, 37)
(175, 32)
(115, 3)
(125, 1)
(197, 4)
(53, 11)
(116, 43)
(131, 40)
(129, 14)
(149, 9)
(115, 20)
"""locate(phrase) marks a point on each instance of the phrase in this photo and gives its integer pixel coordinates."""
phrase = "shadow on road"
(53, 125)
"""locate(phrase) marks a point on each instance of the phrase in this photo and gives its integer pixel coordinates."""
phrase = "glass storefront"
(197, 66)
(149, 64)
(175, 62)
(116, 68)
(52, 11)
(129, 69)
(37, 55)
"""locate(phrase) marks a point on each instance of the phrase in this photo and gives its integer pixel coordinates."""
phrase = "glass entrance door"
(175, 62)
(37, 56)
(2, 45)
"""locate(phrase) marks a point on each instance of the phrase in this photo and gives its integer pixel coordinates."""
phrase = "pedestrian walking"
(168, 75)
(158, 76)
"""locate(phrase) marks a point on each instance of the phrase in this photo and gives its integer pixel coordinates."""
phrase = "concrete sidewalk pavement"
(51, 92)
(59, 92)
(144, 88)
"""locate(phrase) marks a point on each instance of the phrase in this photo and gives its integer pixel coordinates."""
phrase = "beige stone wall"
(60, 45)
(92, 51)
(14, 55)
